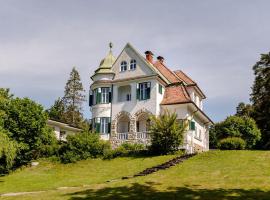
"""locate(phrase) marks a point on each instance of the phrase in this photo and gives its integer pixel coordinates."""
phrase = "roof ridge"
(179, 70)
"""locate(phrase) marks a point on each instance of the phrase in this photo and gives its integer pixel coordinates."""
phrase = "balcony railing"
(122, 136)
(138, 136)
(142, 135)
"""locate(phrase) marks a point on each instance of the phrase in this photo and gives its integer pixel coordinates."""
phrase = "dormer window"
(123, 66)
(133, 64)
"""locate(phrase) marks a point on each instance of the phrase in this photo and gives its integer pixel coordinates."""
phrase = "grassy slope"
(222, 175)
(49, 175)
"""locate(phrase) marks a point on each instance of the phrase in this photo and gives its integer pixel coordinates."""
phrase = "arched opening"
(142, 125)
(143, 122)
(123, 124)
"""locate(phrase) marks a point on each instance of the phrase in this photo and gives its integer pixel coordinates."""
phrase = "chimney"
(149, 56)
(161, 59)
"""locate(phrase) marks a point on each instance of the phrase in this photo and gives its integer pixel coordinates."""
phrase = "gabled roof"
(165, 71)
(153, 69)
(183, 77)
(175, 94)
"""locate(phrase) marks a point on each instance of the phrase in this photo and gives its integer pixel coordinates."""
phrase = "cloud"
(216, 43)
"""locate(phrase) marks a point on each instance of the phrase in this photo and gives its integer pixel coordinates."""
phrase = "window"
(128, 97)
(102, 125)
(94, 96)
(105, 95)
(143, 90)
(123, 66)
(133, 64)
(160, 88)
(62, 134)
(191, 125)
(100, 95)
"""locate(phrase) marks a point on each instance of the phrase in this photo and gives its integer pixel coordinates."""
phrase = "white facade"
(62, 130)
(135, 92)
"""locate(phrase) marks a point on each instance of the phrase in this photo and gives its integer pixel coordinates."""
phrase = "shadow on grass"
(147, 191)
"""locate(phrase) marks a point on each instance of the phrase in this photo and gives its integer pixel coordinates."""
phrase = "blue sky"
(215, 42)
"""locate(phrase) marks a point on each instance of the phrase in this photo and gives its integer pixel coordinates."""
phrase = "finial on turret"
(111, 45)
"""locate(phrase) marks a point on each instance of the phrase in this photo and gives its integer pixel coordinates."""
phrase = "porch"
(131, 129)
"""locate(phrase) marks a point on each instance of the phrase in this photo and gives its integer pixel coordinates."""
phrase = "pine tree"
(73, 99)
(260, 97)
(57, 111)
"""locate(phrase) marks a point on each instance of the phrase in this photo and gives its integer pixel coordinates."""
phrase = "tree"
(5, 96)
(8, 151)
(166, 133)
(244, 110)
(74, 98)
(234, 126)
(57, 111)
(260, 97)
(25, 122)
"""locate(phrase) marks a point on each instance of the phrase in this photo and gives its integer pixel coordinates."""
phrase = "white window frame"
(104, 125)
(123, 66)
(105, 94)
(143, 90)
(133, 64)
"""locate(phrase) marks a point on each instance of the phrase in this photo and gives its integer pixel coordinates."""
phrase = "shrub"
(8, 151)
(166, 133)
(25, 121)
(234, 126)
(232, 143)
(125, 149)
(82, 146)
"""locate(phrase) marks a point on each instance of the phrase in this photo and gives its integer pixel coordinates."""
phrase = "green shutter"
(109, 127)
(97, 127)
(160, 89)
(192, 125)
(98, 96)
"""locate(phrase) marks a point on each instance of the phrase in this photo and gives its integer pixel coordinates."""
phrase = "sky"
(214, 42)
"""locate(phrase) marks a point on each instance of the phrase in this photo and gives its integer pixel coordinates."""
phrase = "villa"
(128, 89)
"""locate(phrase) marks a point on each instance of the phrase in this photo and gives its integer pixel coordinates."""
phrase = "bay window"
(100, 95)
(102, 125)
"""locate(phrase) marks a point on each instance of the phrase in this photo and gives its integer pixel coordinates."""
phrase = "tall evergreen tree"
(260, 97)
(73, 98)
(57, 111)
(244, 110)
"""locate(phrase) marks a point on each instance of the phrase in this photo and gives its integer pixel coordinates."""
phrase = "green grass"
(48, 175)
(221, 175)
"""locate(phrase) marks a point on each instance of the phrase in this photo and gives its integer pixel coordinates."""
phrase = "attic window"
(123, 66)
(133, 64)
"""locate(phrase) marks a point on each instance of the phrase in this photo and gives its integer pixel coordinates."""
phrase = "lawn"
(48, 175)
(222, 175)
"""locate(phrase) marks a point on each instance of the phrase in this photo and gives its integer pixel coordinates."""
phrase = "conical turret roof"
(106, 63)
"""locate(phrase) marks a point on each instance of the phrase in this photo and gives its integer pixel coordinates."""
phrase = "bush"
(82, 146)
(232, 143)
(125, 149)
(8, 151)
(166, 133)
(235, 126)
(25, 121)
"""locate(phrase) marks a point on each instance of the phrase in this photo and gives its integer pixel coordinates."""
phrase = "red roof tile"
(166, 72)
(175, 94)
(182, 76)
